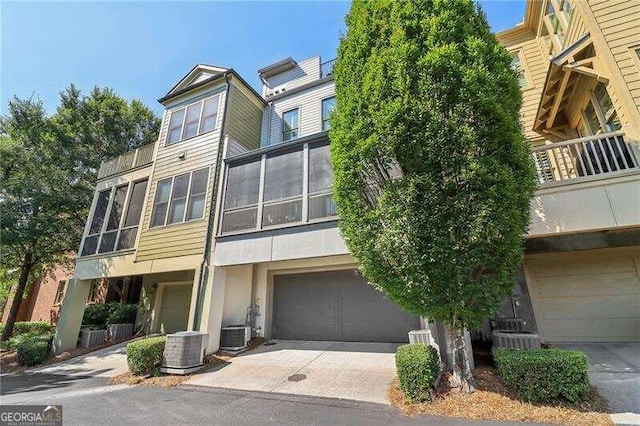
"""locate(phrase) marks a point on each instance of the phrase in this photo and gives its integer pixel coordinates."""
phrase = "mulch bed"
(494, 401)
(170, 380)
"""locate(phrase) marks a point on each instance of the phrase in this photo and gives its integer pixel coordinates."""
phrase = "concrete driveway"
(107, 362)
(355, 371)
(614, 368)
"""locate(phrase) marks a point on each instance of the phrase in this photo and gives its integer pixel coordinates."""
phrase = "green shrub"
(544, 375)
(418, 369)
(96, 314)
(33, 351)
(35, 327)
(123, 314)
(145, 354)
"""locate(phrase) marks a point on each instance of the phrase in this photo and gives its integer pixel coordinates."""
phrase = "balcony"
(326, 68)
(587, 184)
(140, 157)
(578, 160)
(279, 186)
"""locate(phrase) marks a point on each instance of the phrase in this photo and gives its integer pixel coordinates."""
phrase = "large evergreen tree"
(48, 167)
(433, 175)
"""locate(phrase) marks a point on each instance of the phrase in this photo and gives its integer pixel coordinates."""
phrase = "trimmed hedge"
(35, 327)
(123, 314)
(418, 369)
(33, 351)
(96, 314)
(144, 355)
(544, 375)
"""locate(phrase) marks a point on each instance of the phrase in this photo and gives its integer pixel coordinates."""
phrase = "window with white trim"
(123, 204)
(193, 120)
(328, 105)
(290, 124)
(180, 198)
(518, 67)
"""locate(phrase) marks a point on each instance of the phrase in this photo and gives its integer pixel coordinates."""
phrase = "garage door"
(336, 306)
(174, 310)
(591, 296)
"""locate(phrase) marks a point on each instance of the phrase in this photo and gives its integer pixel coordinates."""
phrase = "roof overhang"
(563, 73)
(277, 68)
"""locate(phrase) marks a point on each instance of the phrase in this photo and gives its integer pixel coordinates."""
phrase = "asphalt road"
(88, 400)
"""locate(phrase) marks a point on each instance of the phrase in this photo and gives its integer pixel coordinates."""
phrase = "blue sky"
(141, 49)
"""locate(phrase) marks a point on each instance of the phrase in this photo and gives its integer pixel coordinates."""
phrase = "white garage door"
(589, 296)
(174, 308)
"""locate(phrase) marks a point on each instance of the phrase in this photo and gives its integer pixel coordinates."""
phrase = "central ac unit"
(184, 352)
(235, 337)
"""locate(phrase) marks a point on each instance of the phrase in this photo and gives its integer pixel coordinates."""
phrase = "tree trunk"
(25, 270)
(461, 375)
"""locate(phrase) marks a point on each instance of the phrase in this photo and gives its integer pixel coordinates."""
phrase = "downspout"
(204, 264)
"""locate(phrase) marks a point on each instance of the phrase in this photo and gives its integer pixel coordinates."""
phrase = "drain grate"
(297, 377)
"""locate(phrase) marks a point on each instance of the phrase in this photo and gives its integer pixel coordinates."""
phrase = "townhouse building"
(229, 218)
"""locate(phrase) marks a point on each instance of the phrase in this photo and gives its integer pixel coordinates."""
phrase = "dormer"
(198, 76)
(287, 74)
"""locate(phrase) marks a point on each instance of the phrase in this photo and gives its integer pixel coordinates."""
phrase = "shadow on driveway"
(12, 384)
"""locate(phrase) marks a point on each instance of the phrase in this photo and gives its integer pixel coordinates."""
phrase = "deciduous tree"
(433, 176)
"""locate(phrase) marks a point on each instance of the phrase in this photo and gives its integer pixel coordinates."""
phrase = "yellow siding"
(244, 117)
(536, 66)
(619, 24)
(181, 239)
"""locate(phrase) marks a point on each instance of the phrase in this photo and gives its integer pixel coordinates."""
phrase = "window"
(180, 198)
(600, 114)
(195, 119)
(328, 105)
(290, 122)
(59, 292)
(119, 231)
(320, 183)
(241, 197)
(283, 188)
(567, 9)
(516, 65)
(555, 23)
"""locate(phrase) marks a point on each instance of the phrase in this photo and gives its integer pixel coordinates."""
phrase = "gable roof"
(197, 74)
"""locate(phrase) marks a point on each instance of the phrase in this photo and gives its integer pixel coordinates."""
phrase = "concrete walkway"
(354, 371)
(614, 368)
(107, 362)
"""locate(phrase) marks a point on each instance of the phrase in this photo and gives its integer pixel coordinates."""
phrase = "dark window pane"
(328, 106)
(117, 208)
(320, 172)
(290, 125)
(163, 191)
(209, 114)
(135, 204)
(239, 220)
(243, 183)
(195, 210)
(176, 211)
(175, 125)
(108, 242)
(180, 185)
(127, 238)
(283, 175)
(90, 245)
(100, 211)
(321, 206)
(280, 213)
(199, 181)
(159, 214)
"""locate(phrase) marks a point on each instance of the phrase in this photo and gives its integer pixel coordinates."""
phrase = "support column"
(70, 320)
(211, 320)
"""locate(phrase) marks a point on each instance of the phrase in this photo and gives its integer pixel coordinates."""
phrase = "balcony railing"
(584, 158)
(127, 161)
(326, 68)
(285, 185)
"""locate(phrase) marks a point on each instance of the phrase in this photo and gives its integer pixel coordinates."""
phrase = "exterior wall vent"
(235, 337)
(184, 352)
(507, 340)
